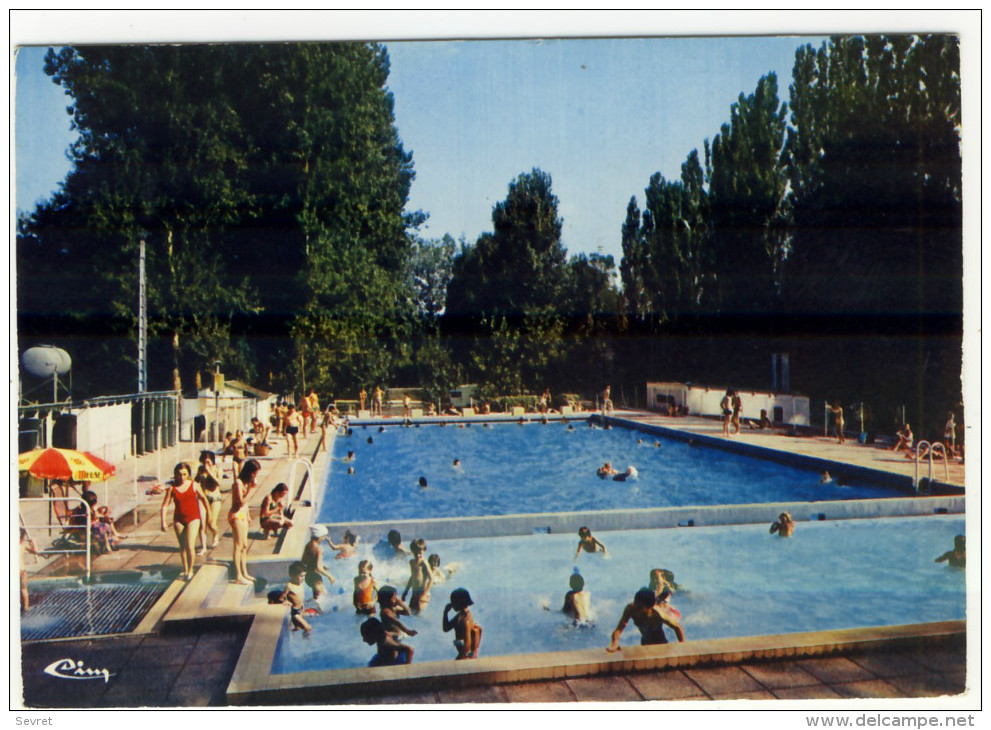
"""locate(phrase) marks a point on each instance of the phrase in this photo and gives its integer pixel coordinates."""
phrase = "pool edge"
(253, 684)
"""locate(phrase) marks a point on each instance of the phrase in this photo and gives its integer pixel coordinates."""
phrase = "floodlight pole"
(142, 321)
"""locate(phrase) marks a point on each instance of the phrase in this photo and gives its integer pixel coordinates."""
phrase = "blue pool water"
(512, 469)
(736, 581)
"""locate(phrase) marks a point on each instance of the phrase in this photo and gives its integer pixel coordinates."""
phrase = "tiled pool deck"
(190, 660)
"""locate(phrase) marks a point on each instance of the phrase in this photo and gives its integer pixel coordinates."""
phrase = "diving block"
(518, 410)
(364, 414)
(416, 412)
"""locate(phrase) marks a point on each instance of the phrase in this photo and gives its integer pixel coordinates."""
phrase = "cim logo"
(72, 669)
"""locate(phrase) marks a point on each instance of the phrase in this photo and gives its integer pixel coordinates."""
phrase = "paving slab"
(778, 675)
(835, 669)
(868, 689)
(889, 664)
(603, 689)
(539, 692)
(929, 685)
(667, 685)
(762, 694)
(723, 680)
(473, 695)
(810, 692)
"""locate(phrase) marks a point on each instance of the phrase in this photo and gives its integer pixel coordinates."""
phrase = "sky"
(599, 115)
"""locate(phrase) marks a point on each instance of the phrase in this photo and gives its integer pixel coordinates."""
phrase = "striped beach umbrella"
(80, 466)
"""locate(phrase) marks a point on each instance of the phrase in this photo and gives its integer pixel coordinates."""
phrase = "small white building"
(230, 407)
(702, 400)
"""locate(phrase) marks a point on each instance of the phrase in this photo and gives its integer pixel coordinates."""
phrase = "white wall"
(105, 431)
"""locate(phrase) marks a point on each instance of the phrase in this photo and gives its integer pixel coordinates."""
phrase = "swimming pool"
(737, 581)
(513, 469)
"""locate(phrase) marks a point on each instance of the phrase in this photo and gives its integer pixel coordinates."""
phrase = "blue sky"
(599, 115)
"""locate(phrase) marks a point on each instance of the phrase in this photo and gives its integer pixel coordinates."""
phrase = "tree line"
(270, 184)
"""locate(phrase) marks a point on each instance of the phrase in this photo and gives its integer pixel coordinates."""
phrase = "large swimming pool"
(513, 469)
(736, 581)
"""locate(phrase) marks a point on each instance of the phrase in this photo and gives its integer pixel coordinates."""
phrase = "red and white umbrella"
(79, 466)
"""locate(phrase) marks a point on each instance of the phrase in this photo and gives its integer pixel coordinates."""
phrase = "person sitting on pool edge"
(391, 651)
(467, 634)
(957, 557)
(785, 526)
(645, 616)
(588, 543)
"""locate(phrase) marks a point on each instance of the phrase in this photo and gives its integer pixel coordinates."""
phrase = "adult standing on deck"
(377, 402)
(837, 411)
(407, 406)
(239, 518)
(737, 411)
(726, 407)
(190, 504)
(950, 433)
(293, 422)
(607, 400)
(362, 397)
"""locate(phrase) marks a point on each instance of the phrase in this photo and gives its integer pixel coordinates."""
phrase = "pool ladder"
(932, 449)
(308, 465)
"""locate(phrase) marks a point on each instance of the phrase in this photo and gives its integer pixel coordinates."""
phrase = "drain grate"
(82, 610)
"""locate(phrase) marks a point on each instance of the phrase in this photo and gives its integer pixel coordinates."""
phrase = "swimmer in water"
(588, 543)
(957, 557)
(439, 574)
(576, 600)
(456, 463)
(395, 541)
(630, 473)
(390, 650)
(825, 479)
(467, 634)
(605, 470)
(785, 526)
(662, 582)
(391, 608)
(365, 589)
(422, 483)
(420, 580)
(348, 547)
(645, 616)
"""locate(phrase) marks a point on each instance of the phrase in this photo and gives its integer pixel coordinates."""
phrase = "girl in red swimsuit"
(187, 497)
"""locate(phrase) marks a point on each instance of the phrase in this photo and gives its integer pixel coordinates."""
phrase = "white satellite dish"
(46, 360)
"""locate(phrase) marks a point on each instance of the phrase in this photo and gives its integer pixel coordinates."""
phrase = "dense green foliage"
(270, 184)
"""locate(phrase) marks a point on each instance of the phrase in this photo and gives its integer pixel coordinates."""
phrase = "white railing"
(87, 542)
(308, 465)
(932, 450)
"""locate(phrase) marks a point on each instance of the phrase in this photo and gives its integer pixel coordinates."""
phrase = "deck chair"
(73, 537)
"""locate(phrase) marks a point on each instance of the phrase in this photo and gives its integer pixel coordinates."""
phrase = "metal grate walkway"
(88, 610)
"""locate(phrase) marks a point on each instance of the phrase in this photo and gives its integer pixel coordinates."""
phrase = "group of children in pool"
(649, 610)
(385, 631)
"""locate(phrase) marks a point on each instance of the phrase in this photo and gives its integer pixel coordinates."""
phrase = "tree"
(269, 183)
(746, 193)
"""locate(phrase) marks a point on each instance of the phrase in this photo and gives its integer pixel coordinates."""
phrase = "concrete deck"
(190, 663)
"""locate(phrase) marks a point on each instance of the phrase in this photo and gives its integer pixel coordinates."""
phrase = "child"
(365, 589)
(348, 548)
(605, 470)
(28, 546)
(576, 600)
(391, 608)
(420, 579)
(313, 561)
(272, 511)
(785, 526)
(588, 543)
(957, 557)
(390, 650)
(651, 622)
(293, 597)
(438, 574)
(467, 634)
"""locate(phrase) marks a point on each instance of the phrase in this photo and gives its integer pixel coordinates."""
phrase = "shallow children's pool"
(513, 469)
(736, 581)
